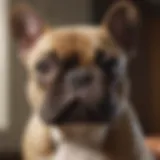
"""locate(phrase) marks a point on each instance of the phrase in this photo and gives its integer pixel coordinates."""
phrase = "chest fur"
(82, 140)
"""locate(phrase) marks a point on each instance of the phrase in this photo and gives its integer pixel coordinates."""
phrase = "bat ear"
(26, 27)
(122, 22)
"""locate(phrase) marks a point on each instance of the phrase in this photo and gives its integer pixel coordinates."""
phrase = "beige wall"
(55, 12)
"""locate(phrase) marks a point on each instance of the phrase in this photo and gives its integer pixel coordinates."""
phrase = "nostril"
(82, 78)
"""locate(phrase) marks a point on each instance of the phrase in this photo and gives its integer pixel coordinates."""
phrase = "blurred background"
(144, 70)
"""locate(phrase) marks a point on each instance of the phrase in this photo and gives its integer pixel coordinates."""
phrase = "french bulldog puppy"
(78, 87)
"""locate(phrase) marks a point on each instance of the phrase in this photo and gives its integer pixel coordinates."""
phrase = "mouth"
(75, 112)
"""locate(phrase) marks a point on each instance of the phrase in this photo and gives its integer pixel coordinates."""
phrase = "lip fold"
(74, 111)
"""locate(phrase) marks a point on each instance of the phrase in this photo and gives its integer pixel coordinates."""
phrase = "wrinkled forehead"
(67, 42)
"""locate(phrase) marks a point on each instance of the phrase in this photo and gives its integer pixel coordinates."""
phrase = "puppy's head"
(77, 73)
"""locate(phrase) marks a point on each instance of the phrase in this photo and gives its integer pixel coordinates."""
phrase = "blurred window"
(4, 64)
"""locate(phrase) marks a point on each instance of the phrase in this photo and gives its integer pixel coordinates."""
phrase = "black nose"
(80, 78)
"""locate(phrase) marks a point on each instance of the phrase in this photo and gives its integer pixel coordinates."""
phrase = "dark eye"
(46, 65)
(101, 57)
(43, 67)
(105, 62)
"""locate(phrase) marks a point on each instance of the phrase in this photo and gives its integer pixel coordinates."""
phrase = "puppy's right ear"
(26, 27)
(123, 23)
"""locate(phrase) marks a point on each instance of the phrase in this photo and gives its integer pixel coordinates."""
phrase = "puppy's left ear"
(122, 22)
(26, 27)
